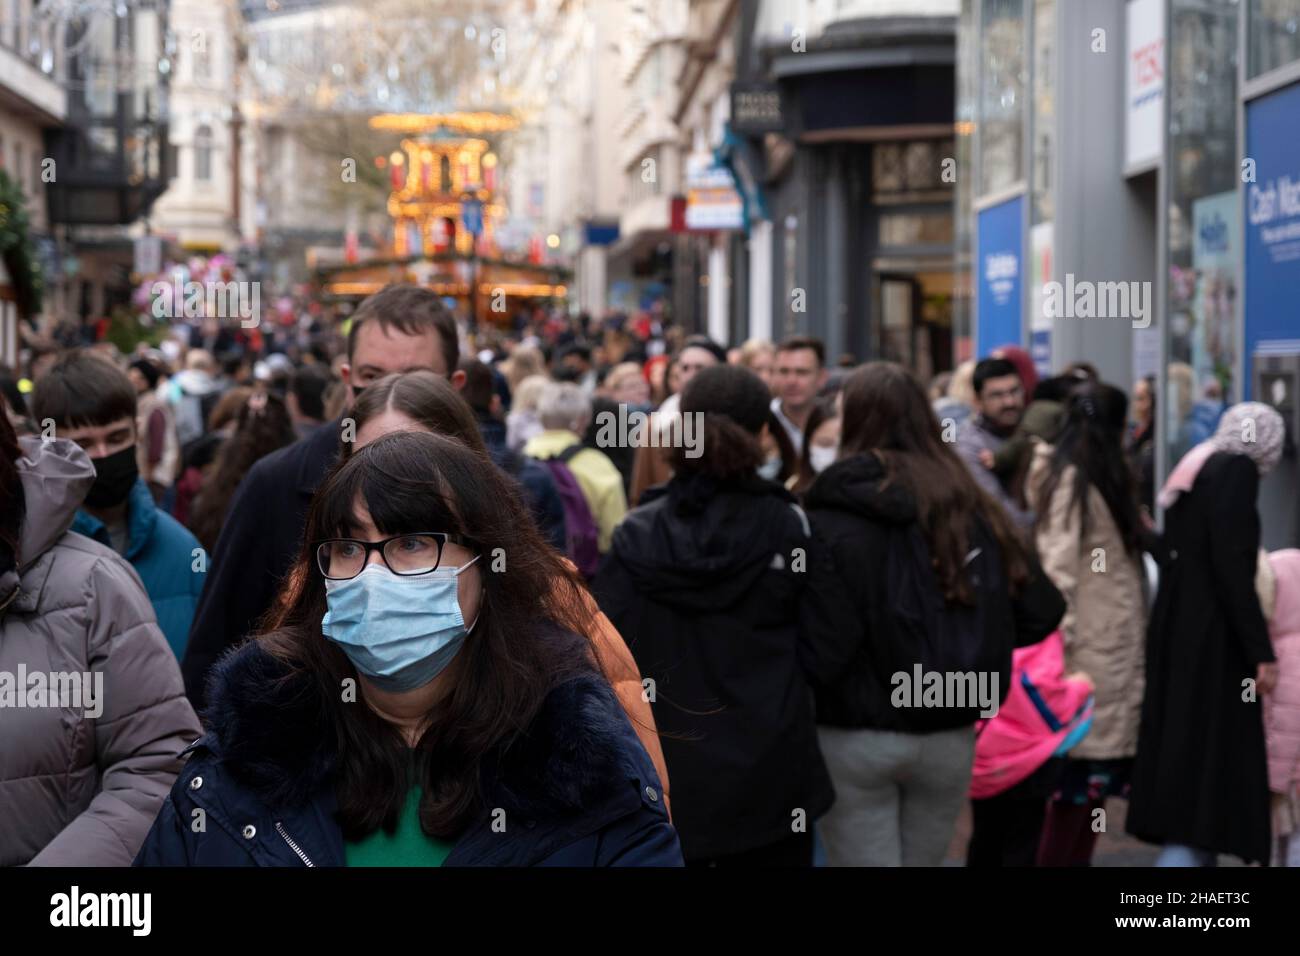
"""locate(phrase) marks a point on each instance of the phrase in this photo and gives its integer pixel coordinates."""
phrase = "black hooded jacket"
(854, 510)
(730, 606)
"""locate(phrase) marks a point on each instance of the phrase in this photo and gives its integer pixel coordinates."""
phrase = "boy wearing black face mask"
(89, 400)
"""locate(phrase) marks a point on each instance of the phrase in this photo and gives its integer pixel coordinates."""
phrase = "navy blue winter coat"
(578, 788)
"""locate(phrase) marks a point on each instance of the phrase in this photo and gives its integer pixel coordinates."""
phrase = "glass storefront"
(914, 282)
(1203, 220)
(1042, 179)
(967, 102)
(1044, 125)
(1002, 95)
(1272, 35)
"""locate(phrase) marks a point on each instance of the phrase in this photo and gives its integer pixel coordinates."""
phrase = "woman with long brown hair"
(942, 586)
(429, 698)
(263, 426)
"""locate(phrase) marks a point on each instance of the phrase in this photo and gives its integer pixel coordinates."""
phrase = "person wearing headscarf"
(1200, 779)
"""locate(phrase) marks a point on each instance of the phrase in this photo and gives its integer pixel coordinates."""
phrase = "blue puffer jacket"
(163, 553)
(577, 789)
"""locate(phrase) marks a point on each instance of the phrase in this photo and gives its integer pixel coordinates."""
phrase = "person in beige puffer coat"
(1087, 531)
(80, 784)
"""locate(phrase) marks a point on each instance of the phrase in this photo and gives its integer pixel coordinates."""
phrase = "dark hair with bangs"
(414, 481)
(412, 310)
(82, 389)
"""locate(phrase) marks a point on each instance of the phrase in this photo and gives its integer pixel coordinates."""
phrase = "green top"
(408, 845)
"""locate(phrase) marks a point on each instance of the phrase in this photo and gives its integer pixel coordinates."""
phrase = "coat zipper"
(293, 846)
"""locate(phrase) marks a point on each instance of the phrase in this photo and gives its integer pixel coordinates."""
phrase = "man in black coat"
(401, 328)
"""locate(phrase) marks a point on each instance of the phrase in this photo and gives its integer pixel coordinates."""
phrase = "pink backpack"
(1044, 714)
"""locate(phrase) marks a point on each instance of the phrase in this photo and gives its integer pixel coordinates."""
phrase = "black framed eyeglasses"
(340, 559)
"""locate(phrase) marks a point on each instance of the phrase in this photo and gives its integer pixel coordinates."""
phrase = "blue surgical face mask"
(400, 631)
(770, 469)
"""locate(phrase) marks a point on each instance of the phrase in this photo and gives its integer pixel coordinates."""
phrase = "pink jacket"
(1282, 707)
(1045, 712)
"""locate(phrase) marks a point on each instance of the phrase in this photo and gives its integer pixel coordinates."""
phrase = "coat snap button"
(196, 783)
(652, 794)
(250, 831)
(1173, 555)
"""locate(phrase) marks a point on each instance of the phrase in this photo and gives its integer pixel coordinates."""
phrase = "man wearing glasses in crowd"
(398, 329)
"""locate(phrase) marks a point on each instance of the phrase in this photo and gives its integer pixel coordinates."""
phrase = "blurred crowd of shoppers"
(551, 602)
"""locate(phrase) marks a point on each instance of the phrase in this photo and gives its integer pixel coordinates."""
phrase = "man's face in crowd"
(382, 351)
(100, 441)
(798, 376)
(693, 360)
(1002, 401)
(632, 390)
(576, 363)
(1142, 401)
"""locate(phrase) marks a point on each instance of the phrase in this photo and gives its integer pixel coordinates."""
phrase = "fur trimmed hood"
(269, 727)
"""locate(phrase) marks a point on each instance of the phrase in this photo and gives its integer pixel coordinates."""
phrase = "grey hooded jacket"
(974, 436)
(85, 762)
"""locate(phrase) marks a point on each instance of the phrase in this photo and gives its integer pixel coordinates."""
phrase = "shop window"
(1204, 248)
(912, 229)
(1044, 109)
(911, 171)
(1273, 34)
(1002, 95)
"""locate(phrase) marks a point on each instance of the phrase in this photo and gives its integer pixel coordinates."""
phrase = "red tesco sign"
(1148, 63)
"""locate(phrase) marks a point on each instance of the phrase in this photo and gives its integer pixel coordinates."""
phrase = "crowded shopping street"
(758, 435)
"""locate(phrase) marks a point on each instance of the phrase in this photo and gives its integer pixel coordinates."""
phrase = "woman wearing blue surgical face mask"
(426, 698)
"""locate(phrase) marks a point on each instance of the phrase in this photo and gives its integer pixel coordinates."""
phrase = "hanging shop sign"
(1144, 87)
(712, 199)
(756, 108)
(1001, 272)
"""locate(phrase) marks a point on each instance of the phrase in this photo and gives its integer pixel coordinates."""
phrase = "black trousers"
(794, 850)
(1006, 829)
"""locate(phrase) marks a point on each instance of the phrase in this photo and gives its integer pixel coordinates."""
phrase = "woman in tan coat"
(1087, 531)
